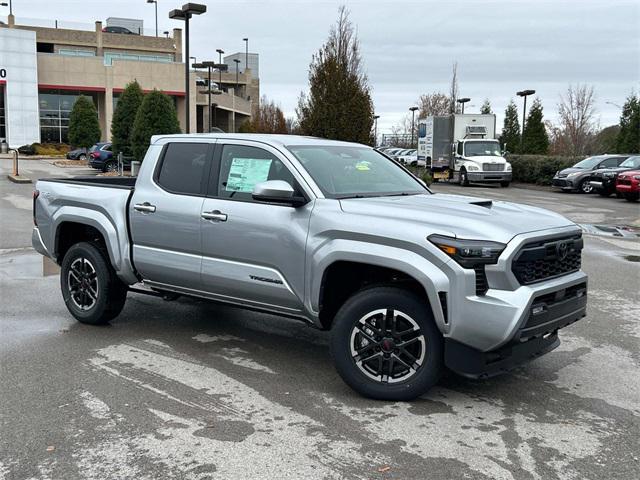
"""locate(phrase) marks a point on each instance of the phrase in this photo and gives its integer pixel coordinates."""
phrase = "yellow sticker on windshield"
(362, 166)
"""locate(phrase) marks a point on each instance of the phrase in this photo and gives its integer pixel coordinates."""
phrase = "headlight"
(508, 168)
(608, 174)
(472, 168)
(637, 177)
(574, 174)
(468, 253)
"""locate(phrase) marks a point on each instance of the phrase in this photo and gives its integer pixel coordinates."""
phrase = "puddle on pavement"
(618, 231)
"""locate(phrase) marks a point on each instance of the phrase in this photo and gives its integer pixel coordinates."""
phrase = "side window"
(610, 162)
(241, 167)
(107, 148)
(184, 168)
(460, 144)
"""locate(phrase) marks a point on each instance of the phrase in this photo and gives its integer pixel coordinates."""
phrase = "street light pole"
(413, 117)
(237, 62)
(220, 52)
(155, 2)
(524, 94)
(375, 129)
(463, 101)
(246, 53)
(184, 14)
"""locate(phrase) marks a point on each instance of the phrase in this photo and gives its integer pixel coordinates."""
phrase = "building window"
(55, 109)
(76, 53)
(109, 57)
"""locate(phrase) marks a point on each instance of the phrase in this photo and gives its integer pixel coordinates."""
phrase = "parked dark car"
(628, 185)
(604, 181)
(77, 154)
(126, 31)
(101, 157)
(577, 177)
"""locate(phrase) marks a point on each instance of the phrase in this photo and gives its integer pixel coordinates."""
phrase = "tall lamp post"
(185, 13)
(524, 94)
(375, 130)
(246, 53)
(462, 101)
(413, 118)
(155, 2)
(236, 62)
(220, 52)
(166, 33)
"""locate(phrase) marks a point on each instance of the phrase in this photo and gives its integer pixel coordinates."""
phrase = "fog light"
(537, 310)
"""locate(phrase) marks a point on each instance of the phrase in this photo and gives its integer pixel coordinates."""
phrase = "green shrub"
(539, 169)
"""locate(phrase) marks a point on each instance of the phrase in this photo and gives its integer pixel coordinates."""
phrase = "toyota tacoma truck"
(336, 234)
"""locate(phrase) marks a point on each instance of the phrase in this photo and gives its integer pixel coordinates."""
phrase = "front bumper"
(536, 335)
(489, 176)
(563, 183)
(628, 188)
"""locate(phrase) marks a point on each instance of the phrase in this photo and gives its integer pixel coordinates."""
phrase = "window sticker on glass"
(246, 172)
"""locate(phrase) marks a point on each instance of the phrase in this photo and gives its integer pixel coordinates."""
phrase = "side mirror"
(276, 191)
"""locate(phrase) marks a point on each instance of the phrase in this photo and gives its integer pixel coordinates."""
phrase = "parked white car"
(408, 157)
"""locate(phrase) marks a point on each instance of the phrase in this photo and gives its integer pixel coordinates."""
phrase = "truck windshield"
(353, 172)
(475, 149)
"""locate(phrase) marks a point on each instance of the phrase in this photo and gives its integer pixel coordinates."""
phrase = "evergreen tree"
(511, 129)
(84, 127)
(486, 107)
(535, 140)
(628, 140)
(156, 116)
(338, 105)
(123, 118)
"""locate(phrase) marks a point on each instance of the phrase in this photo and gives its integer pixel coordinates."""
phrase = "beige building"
(98, 64)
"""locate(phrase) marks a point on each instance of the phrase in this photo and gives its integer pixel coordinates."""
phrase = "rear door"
(253, 253)
(165, 215)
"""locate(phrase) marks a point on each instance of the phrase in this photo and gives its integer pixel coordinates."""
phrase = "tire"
(82, 157)
(110, 166)
(631, 196)
(99, 294)
(585, 187)
(505, 184)
(464, 180)
(353, 323)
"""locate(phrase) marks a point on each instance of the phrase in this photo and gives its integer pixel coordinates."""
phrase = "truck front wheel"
(385, 344)
(90, 287)
(464, 179)
(504, 184)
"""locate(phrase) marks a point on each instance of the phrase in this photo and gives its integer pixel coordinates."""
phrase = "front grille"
(624, 181)
(481, 280)
(557, 182)
(493, 167)
(543, 260)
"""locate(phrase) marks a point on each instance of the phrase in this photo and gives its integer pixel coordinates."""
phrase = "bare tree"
(578, 124)
(433, 104)
(453, 89)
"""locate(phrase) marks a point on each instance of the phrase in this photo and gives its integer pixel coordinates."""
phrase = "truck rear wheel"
(385, 344)
(90, 287)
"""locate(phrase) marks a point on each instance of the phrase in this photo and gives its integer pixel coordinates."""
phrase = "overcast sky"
(408, 47)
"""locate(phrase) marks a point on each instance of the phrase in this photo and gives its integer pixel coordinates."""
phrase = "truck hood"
(457, 215)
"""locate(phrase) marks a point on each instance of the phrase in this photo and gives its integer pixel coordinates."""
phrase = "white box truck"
(463, 148)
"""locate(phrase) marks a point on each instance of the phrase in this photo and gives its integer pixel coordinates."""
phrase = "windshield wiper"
(345, 197)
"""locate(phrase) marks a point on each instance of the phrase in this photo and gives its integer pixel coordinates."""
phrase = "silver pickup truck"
(332, 233)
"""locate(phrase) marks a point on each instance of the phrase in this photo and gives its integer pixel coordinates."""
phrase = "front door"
(253, 253)
(165, 215)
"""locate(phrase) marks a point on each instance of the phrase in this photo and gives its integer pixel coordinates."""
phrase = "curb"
(18, 179)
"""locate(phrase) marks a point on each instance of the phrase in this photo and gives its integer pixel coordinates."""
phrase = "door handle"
(215, 215)
(145, 207)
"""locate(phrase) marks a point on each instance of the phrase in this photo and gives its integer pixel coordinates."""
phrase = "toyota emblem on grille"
(562, 250)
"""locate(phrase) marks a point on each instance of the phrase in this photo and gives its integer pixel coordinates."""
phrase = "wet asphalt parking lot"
(194, 390)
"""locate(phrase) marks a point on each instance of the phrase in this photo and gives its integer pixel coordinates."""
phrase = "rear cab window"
(184, 168)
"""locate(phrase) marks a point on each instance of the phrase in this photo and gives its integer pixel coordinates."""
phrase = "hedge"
(538, 169)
